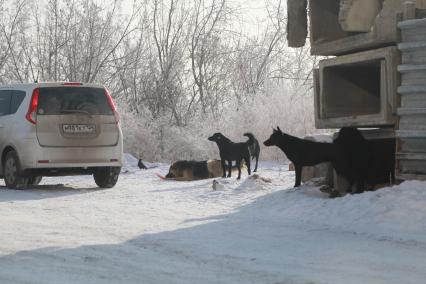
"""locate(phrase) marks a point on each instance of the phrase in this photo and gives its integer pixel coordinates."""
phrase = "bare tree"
(170, 63)
(131, 76)
(76, 40)
(207, 24)
(169, 38)
(12, 24)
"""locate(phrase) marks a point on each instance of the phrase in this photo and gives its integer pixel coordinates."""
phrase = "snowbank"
(254, 230)
(397, 212)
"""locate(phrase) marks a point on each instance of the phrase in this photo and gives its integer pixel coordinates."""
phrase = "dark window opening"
(352, 89)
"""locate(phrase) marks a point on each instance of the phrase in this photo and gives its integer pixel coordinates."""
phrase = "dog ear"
(279, 130)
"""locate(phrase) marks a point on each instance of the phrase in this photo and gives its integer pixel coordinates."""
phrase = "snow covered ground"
(146, 230)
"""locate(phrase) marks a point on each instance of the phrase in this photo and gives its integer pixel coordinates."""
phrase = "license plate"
(79, 128)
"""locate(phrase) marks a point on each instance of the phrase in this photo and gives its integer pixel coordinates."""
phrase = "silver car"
(57, 129)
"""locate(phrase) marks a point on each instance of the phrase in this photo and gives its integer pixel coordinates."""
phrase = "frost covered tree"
(179, 69)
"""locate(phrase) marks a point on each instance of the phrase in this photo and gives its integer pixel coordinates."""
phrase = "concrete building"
(375, 73)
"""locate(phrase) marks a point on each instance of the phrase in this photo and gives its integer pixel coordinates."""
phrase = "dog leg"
(229, 168)
(349, 189)
(298, 175)
(360, 186)
(392, 177)
(257, 160)
(239, 169)
(222, 162)
(247, 159)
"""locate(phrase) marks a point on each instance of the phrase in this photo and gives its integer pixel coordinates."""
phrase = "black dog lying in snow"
(254, 148)
(230, 151)
(301, 152)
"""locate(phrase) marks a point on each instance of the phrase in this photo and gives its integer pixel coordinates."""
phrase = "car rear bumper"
(33, 156)
(63, 171)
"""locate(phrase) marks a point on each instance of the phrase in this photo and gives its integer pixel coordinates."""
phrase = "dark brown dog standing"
(254, 148)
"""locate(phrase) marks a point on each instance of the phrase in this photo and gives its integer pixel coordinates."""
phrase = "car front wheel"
(12, 172)
(106, 177)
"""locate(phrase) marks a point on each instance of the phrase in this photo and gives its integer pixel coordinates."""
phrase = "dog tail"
(250, 137)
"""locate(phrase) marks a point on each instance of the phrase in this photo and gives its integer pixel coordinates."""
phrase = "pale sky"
(252, 12)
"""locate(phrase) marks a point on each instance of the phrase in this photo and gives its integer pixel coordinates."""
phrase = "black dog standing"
(355, 156)
(359, 161)
(301, 152)
(365, 162)
(230, 151)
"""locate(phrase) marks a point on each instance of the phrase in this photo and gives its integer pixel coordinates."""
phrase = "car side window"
(5, 99)
(17, 98)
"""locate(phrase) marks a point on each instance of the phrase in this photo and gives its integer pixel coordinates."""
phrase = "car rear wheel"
(106, 177)
(12, 172)
(35, 180)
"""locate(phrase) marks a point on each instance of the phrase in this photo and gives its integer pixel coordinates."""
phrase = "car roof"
(30, 86)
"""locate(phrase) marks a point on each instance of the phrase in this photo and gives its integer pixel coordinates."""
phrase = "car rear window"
(72, 100)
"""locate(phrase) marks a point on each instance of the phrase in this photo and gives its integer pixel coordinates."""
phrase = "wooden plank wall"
(411, 127)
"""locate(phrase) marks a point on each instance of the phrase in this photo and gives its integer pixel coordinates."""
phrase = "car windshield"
(73, 100)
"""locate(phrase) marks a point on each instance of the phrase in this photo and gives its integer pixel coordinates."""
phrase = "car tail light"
(32, 109)
(112, 105)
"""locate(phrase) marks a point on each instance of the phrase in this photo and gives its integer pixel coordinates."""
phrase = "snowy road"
(150, 231)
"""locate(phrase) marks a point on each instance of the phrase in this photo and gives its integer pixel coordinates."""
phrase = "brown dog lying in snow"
(195, 170)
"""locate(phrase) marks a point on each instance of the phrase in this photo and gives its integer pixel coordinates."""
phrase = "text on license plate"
(79, 128)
